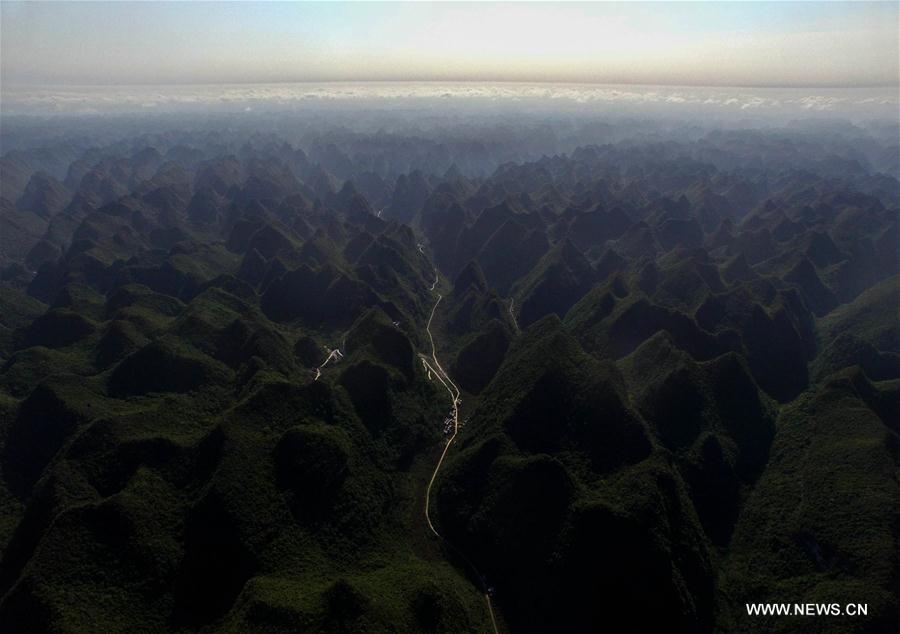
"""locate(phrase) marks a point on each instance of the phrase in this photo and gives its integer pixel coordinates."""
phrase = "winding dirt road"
(335, 354)
(433, 366)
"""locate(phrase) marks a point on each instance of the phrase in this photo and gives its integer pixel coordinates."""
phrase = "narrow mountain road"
(335, 355)
(433, 366)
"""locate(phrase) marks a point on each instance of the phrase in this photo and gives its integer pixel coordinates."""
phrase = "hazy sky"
(756, 44)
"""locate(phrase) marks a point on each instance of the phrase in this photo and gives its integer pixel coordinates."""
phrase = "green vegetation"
(678, 365)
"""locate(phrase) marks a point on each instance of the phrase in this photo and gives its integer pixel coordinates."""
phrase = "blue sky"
(714, 43)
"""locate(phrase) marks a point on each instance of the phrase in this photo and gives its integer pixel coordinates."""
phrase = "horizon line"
(5, 84)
